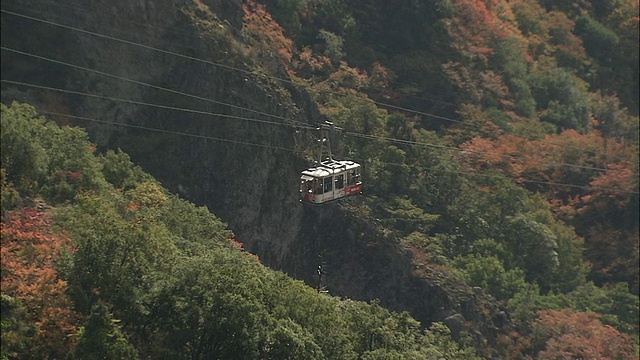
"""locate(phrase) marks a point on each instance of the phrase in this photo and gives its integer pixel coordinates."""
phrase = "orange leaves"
(619, 180)
(479, 23)
(311, 63)
(512, 155)
(474, 14)
(580, 160)
(588, 181)
(240, 246)
(75, 176)
(267, 35)
(237, 244)
(471, 26)
(481, 152)
(27, 255)
(347, 79)
(579, 335)
(23, 243)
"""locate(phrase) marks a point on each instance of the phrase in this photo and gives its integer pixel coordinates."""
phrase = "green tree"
(287, 14)
(101, 338)
(9, 196)
(438, 336)
(527, 235)
(288, 340)
(526, 304)
(17, 331)
(119, 171)
(615, 305)
(72, 166)
(24, 160)
(599, 40)
(119, 247)
(561, 97)
(436, 180)
(534, 248)
(205, 309)
(406, 217)
(41, 156)
(622, 78)
(509, 60)
(190, 224)
(613, 120)
(334, 15)
(489, 273)
(332, 45)
(530, 17)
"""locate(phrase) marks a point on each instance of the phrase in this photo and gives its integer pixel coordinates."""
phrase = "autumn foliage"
(503, 153)
(588, 180)
(267, 37)
(28, 250)
(578, 335)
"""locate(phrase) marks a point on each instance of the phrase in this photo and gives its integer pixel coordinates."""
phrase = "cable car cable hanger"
(329, 179)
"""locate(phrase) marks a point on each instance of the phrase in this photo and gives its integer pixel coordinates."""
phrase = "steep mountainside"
(249, 177)
(203, 102)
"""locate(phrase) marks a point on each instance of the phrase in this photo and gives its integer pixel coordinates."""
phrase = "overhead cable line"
(516, 179)
(184, 32)
(514, 157)
(128, 42)
(20, 83)
(417, 112)
(147, 128)
(228, 67)
(140, 127)
(149, 85)
(67, 8)
(305, 126)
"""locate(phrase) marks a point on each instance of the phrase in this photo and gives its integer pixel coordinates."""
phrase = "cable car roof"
(330, 167)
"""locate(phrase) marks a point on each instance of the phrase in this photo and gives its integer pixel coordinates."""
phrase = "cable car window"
(318, 186)
(307, 185)
(352, 177)
(327, 184)
(340, 181)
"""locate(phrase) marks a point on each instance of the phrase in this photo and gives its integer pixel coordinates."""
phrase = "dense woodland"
(499, 141)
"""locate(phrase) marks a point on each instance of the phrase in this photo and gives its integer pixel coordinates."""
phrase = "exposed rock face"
(245, 171)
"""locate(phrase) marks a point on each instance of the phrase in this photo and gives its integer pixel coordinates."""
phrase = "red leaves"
(75, 176)
(478, 24)
(27, 254)
(562, 159)
(511, 154)
(240, 247)
(588, 180)
(618, 180)
(266, 34)
(579, 335)
(237, 244)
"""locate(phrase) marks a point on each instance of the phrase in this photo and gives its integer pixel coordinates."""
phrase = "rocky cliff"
(175, 85)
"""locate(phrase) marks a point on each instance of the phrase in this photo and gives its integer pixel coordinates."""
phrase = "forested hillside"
(499, 142)
(100, 261)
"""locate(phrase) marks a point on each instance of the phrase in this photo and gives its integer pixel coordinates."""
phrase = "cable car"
(329, 179)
